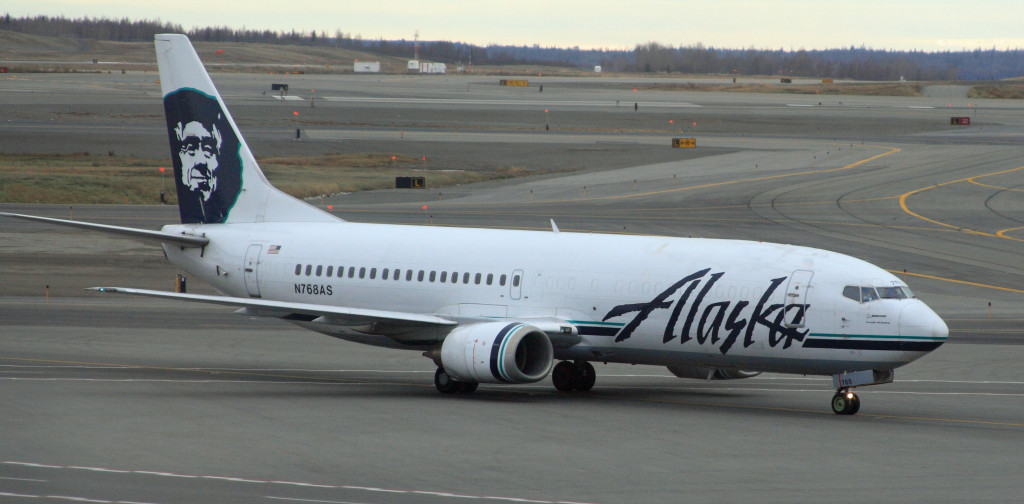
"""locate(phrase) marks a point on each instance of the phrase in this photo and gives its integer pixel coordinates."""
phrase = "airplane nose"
(917, 319)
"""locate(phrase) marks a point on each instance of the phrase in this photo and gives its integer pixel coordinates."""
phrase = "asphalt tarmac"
(117, 399)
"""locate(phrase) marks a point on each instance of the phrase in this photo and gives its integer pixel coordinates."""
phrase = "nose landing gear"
(845, 402)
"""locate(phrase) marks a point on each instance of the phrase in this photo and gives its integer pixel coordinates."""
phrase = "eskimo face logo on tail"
(205, 153)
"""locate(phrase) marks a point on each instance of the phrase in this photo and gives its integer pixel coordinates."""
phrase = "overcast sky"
(936, 25)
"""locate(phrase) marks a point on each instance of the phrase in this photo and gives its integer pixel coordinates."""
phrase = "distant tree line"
(117, 30)
(845, 63)
(849, 63)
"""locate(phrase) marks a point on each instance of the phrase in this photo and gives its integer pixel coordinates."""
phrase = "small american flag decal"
(274, 249)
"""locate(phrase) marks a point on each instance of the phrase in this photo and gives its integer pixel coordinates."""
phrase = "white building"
(366, 67)
(433, 68)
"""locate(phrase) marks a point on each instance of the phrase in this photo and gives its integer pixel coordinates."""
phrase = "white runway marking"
(312, 500)
(311, 381)
(531, 103)
(461, 497)
(24, 479)
(66, 498)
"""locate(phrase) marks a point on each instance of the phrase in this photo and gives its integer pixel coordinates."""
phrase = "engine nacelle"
(497, 352)
(710, 373)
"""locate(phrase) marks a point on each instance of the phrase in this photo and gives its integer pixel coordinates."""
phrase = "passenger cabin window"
(444, 277)
(309, 269)
(330, 270)
(298, 269)
(351, 271)
(433, 276)
(384, 274)
(501, 281)
(319, 270)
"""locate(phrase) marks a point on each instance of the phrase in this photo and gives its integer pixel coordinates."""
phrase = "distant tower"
(416, 46)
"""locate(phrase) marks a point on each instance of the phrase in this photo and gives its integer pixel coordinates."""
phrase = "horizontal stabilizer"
(143, 234)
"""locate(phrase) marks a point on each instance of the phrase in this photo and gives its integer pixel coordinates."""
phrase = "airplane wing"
(403, 327)
(393, 324)
(145, 234)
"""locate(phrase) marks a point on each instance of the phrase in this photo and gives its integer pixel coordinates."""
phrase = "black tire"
(563, 376)
(586, 376)
(444, 383)
(854, 405)
(466, 387)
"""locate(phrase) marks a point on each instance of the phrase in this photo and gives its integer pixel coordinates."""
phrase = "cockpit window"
(891, 293)
(852, 292)
(867, 294)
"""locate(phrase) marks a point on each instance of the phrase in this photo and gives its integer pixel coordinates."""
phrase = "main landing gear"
(568, 376)
(446, 385)
(845, 402)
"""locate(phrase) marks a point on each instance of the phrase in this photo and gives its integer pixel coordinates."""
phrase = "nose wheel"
(845, 402)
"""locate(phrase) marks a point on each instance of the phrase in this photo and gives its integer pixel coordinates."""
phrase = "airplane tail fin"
(217, 177)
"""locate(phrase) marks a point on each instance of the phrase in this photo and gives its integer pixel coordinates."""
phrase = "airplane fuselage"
(726, 304)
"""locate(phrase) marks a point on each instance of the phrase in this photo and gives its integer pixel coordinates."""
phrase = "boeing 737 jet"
(503, 306)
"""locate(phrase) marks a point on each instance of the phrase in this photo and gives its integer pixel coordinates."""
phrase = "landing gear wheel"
(444, 383)
(568, 376)
(564, 376)
(585, 376)
(845, 403)
(854, 405)
(466, 387)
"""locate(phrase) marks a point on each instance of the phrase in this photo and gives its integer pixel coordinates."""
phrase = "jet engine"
(497, 352)
(710, 373)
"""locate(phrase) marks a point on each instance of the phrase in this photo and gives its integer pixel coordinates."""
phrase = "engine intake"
(710, 373)
(497, 352)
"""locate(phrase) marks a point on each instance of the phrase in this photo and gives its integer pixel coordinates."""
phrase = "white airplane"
(501, 306)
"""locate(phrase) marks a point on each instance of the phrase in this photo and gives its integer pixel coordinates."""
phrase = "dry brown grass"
(84, 178)
(1011, 91)
(76, 55)
(861, 89)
